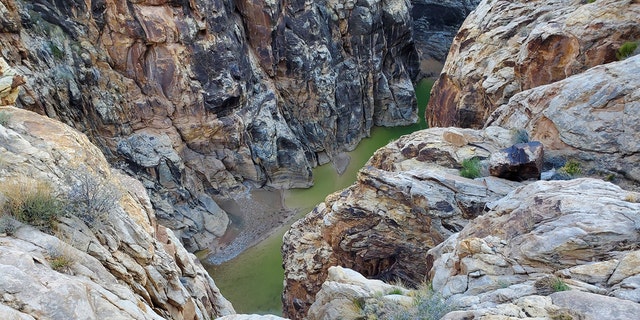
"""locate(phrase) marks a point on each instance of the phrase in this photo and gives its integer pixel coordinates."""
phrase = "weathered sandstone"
(505, 47)
(124, 267)
(407, 199)
(580, 231)
(591, 117)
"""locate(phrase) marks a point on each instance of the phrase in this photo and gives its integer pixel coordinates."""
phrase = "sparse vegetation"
(631, 197)
(32, 202)
(5, 117)
(8, 225)
(572, 168)
(427, 305)
(558, 285)
(55, 51)
(396, 291)
(60, 259)
(626, 50)
(91, 198)
(470, 168)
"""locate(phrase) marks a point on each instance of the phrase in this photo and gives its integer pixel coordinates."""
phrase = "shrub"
(626, 50)
(91, 198)
(470, 168)
(61, 259)
(5, 117)
(8, 225)
(427, 305)
(558, 285)
(550, 284)
(32, 202)
(571, 168)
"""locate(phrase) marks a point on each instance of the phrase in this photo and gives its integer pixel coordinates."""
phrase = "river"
(253, 280)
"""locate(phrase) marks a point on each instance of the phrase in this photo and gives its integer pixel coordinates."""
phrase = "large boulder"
(119, 264)
(507, 47)
(591, 118)
(407, 199)
(545, 237)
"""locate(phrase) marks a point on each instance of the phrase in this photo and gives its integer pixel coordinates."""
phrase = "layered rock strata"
(407, 199)
(119, 265)
(591, 117)
(197, 98)
(579, 233)
(505, 47)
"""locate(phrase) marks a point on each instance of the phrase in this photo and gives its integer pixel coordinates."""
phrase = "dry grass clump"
(31, 201)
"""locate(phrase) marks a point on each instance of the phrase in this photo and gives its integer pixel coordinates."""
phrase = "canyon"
(177, 105)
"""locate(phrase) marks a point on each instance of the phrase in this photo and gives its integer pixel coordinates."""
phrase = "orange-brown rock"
(507, 47)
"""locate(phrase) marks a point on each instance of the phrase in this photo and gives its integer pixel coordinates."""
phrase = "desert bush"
(550, 284)
(5, 117)
(470, 168)
(626, 50)
(61, 259)
(427, 305)
(572, 168)
(91, 198)
(32, 202)
(8, 225)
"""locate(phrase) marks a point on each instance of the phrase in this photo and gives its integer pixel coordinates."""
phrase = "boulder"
(407, 199)
(520, 162)
(504, 48)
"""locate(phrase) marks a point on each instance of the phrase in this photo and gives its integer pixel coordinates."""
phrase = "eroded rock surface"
(206, 97)
(591, 117)
(407, 199)
(127, 266)
(505, 47)
(581, 232)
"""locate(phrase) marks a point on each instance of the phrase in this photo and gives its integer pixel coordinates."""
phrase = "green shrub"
(470, 168)
(55, 51)
(32, 202)
(626, 50)
(5, 117)
(558, 285)
(60, 259)
(572, 168)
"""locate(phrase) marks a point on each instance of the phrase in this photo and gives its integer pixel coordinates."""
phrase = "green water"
(253, 280)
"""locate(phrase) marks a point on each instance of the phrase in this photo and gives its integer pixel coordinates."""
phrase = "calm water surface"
(252, 281)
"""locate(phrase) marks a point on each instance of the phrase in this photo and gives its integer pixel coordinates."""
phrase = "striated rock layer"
(198, 98)
(508, 262)
(591, 117)
(505, 47)
(124, 265)
(407, 199)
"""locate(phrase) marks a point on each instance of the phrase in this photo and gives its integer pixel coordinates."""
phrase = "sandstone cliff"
(505, 47)
(118, 265)
(198, 97)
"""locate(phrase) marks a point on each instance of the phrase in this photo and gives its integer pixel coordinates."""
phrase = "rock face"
(508, 262)
(124, 266)
(591, 117)
(520, 162)
(200, 97)
(407, 199)
(507, 47)
(435, 24)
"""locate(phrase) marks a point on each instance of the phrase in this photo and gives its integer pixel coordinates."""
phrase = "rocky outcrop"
(204, 97)
(435, 24)
(591, 117)
(118, 265)
(407, 199)
(507, 47)
(549, 236)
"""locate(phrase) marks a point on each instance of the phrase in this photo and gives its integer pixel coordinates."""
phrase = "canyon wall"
(505, 47)
(200, 98)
